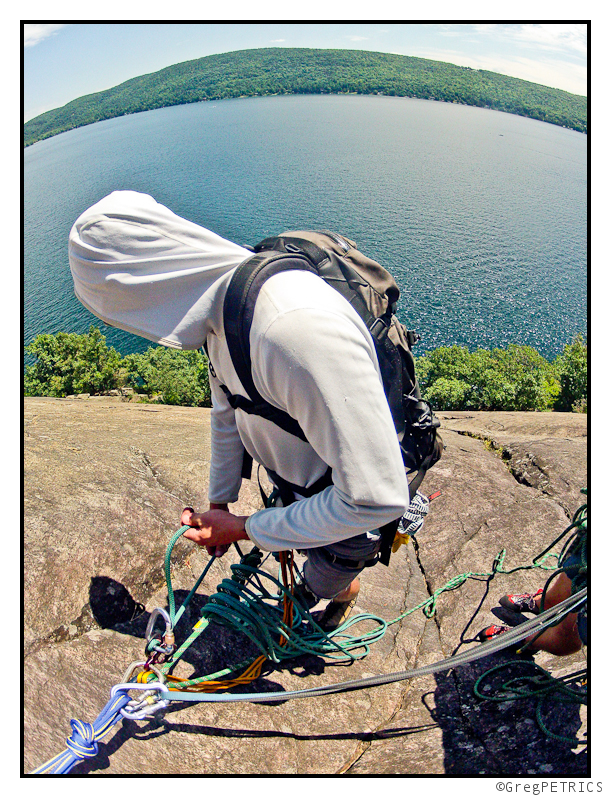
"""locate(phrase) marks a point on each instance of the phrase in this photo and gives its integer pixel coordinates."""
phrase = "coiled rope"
(281, 628)
(260, 615)
(510, 638)
(535, 683)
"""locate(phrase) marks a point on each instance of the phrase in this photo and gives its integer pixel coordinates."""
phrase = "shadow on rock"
(111, 602)
(501, 734)
(167, 721)
(164, 723)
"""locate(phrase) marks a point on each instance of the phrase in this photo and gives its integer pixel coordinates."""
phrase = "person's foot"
(335, 613)
(522, 602)
(490, 632)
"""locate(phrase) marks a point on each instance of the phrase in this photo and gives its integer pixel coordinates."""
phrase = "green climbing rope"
(538, 684)
(279, 636)
(257, 613)
(573, 561)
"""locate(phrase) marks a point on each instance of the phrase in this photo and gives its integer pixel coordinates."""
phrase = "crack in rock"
(66, 632)
(507, 456)
(155, 473)
(377, 733)
(518, 466)
(429, 589)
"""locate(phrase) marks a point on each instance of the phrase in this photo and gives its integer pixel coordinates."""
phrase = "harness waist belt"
(356, 564)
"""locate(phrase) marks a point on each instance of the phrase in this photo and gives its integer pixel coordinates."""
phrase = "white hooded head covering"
(140, 267)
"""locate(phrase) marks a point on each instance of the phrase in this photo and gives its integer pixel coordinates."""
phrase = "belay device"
(373, 293)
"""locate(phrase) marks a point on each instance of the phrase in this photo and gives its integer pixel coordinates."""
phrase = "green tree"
(180, 377)
(534, 380)
(68, 363)
(494, 391)
(448, 393)
(304, 71)
(515, 378)
(451, 377)
(451, 362)
(572, 367)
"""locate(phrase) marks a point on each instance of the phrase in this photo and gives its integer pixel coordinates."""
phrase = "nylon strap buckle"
(379, 328)
(357, 565)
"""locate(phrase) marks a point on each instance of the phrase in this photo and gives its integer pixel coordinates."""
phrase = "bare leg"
(564, 638)
(350, 592)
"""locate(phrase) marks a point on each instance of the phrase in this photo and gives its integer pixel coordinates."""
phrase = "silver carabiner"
(129, 672)
(140, 710)
(169, 642)
(151, 623)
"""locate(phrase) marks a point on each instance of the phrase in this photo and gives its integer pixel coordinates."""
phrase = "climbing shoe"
(335, 613)
(522, 602)
(490, 632)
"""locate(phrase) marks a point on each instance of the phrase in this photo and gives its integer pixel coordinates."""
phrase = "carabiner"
(129, 672)
(169, 642)
(137, 713)
(151, 623)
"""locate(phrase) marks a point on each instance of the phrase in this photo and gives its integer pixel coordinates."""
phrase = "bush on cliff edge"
(67, 363)
(180, 377)
(451, 377)
(515, 378)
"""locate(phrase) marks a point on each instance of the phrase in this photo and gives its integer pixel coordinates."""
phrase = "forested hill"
(249, 73)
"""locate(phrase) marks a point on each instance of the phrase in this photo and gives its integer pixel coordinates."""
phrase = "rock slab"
(105, 482)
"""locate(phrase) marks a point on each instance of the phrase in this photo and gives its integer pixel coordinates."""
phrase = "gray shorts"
(326, 578)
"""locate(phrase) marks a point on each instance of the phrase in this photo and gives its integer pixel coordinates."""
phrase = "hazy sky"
(63, 61)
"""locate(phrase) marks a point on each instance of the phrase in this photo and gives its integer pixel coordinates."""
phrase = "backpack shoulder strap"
(338, 272)
(238, 312)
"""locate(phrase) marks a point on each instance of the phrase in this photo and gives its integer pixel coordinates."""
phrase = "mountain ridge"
(276, 71)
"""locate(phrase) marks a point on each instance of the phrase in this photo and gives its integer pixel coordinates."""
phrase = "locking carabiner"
(144, 707)
(153, 643)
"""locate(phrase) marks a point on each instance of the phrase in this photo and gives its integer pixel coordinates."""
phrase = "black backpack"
(373, 293)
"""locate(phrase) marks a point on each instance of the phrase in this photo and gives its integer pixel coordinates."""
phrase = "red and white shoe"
(490, 632)
(522, 602)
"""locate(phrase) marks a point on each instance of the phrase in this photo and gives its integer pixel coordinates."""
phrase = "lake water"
(480, 215)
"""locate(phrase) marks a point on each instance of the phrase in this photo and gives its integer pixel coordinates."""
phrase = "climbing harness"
(261, 607)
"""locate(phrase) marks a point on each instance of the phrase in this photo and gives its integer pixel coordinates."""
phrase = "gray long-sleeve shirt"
(313, 357)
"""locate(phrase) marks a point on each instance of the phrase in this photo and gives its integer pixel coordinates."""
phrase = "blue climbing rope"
(83, 742)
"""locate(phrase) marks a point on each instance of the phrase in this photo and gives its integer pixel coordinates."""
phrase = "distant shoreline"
(290, 71)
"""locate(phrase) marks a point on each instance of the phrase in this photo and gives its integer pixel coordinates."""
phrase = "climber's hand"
(216, 529)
